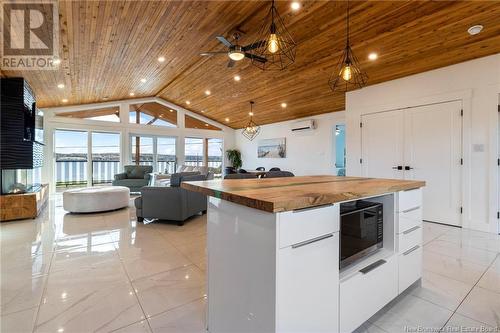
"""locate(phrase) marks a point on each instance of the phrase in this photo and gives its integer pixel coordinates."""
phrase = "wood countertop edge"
(298, 202)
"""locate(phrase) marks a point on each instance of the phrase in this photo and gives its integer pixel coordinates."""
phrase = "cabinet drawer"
(410, 218)
(409, 199)
(410, 238)
(410, 267)
(362, 295)
(305, 224)
(307, 287)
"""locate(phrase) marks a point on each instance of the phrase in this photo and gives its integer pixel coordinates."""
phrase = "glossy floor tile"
(108, 273)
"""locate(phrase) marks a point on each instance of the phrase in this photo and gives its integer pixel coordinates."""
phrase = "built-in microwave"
(361, 230)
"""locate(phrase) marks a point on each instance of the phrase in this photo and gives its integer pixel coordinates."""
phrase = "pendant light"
(347, 74)
(251, 130)
(276, 45)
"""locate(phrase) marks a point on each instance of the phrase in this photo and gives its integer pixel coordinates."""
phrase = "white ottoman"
(96, 199)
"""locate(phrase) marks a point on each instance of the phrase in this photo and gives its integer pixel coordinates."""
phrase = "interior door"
(432, 152)
(382, 145)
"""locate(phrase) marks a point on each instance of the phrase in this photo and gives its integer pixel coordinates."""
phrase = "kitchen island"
(274, 246)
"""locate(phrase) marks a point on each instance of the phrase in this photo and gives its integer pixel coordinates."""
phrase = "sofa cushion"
(137, 171)
(176, 178)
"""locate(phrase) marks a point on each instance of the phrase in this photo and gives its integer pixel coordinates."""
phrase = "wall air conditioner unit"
(304, 125)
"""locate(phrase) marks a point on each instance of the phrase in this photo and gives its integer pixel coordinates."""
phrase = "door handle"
(371, 267)
(407, 167)
(399, 167)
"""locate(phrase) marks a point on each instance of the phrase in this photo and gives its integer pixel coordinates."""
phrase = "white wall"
(477, 84)
(52, 122)
(307, 153)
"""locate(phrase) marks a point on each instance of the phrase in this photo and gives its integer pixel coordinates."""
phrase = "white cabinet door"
(433, 136)
(308, 286)
(382, 144)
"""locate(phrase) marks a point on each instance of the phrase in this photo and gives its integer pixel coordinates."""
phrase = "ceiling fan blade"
(253, 46)
(255, 57)
(230, 63)
(224, 41)
(212, 53)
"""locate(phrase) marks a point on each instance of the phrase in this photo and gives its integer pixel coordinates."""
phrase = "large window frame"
(88, 178)
(170, 166)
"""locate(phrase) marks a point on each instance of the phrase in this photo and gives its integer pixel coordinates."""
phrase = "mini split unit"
(304, 125)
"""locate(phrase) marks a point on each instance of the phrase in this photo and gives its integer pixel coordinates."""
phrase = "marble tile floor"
(108, 273)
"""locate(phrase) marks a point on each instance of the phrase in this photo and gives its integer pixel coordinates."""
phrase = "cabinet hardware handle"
(399, 167)
(411, 250)
(407, 167)
(411, 230)
(371, 267)
(313, 240)
(298, 210)
(410, 210)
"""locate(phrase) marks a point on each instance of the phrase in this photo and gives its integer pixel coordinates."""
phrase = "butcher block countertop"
(289, 193)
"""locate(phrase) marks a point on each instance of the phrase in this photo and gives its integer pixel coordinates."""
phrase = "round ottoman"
(96, 199)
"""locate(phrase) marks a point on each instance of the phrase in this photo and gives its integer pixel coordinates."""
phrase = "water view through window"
(71, 152)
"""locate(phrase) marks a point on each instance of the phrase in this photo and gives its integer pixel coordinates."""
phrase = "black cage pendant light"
(251, 130)
(276, 44)
(347, 74)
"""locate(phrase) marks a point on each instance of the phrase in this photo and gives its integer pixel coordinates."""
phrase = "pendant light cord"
(347, 23)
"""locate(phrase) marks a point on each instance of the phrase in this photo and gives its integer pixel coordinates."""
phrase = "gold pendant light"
(276, 45)
(347, 74)
(251, 130)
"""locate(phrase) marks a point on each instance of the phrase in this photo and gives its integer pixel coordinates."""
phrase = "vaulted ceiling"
(107, 47)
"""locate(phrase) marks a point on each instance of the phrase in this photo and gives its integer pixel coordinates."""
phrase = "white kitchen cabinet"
(410, 267)
(363, 294)
(305, 274)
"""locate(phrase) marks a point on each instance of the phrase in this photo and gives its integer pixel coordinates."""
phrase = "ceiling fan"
(237, 52)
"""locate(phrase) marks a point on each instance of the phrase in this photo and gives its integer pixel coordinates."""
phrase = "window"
(166, 154)
(215, 156)
(193, 151)
(158, 151)
(152, 114)
(71, 153)
(142, 150)
(111, 114)
(191, 122)
(105, 157)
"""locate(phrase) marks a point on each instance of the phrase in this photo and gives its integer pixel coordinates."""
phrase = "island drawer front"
(409, 219)
(305, 224)
(410, 238)
(409, 199)
(362, 295)
(410, 267)
(307, 287)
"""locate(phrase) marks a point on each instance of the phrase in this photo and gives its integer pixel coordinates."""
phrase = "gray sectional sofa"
(171, 202)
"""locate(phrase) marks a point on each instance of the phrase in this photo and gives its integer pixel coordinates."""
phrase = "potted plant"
(234, 157)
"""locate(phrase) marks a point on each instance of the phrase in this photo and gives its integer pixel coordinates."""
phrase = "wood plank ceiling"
(107, 47)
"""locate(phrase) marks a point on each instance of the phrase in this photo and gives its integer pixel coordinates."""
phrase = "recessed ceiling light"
(207, 92)
(161, 59)
(202, 111)
(206, 125)
(188, 102)
(475, 29)
(60, 85)
(64, 100)
(295, 5)
(283, 105)
(171, 110)
(227, 120)
(105, 97)
(237, 78)
(57, 61)
(143, 80)
(373, 56)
